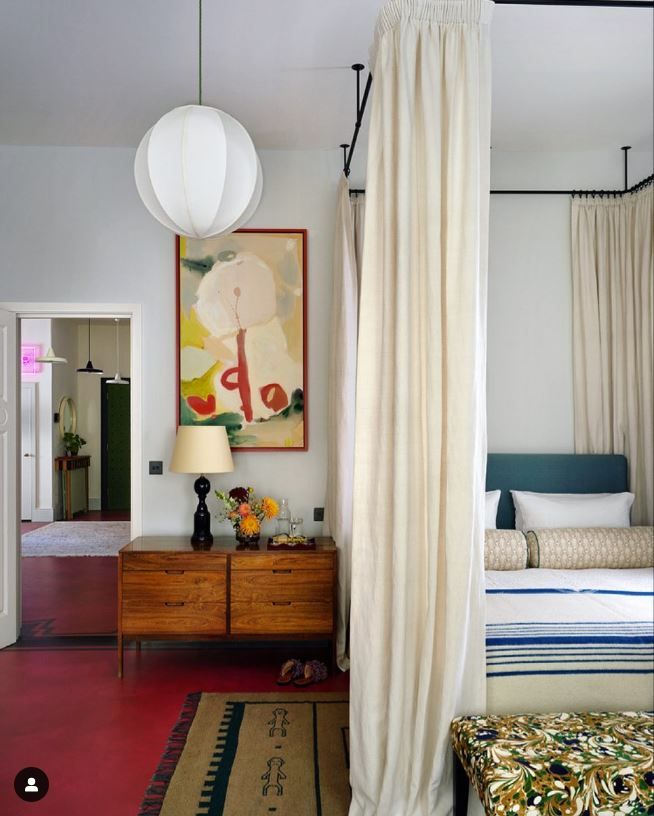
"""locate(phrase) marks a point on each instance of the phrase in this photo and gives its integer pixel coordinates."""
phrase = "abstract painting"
(241, 301)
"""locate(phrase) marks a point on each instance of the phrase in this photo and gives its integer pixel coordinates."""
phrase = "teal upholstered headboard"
(552, 473)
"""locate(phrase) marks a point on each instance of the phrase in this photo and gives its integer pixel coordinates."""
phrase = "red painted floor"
(98, 738)
(69, 596)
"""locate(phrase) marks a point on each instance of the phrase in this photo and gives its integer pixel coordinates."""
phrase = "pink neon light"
(28, 355)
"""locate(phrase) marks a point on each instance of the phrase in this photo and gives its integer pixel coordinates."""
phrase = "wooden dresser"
(168, 591)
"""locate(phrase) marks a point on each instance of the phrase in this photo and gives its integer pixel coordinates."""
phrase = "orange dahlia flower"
(250, 526)
(244, 509)
(269, 507)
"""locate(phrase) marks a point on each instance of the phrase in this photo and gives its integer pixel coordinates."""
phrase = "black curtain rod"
(348, 149)
(583, 3)
(600, 193)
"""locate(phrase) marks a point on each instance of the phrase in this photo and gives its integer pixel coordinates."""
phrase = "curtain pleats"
(341, 398)
(613, 272)
(417, 619)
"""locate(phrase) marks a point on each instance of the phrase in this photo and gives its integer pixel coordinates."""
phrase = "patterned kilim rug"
(281, 754)
(69, 538)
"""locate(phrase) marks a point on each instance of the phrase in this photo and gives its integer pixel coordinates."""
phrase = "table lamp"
(202, 449)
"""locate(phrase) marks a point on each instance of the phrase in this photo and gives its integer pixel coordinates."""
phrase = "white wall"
(529, 372)
(72, 223)
(38, 331)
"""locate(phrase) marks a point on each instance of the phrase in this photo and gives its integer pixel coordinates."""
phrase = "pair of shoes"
(314, 671)
(289, 671)
(301, 674)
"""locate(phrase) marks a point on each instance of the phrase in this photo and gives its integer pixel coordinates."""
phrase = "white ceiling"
(101, 72)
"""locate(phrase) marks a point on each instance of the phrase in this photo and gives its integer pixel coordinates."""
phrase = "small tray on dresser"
(308, 544)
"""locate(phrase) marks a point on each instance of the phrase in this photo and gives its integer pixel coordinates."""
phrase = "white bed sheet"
(569, 640)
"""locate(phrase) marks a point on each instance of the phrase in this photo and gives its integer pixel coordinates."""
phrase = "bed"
(566, 640)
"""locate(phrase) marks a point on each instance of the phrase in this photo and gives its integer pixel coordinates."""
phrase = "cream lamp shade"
(50, 357)
(198, 173)
(201, 449)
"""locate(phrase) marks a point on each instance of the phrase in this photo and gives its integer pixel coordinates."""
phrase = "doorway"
(28, 451)
(68, 595)
(115, 444)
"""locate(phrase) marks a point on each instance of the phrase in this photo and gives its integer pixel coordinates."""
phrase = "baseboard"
(43, 514)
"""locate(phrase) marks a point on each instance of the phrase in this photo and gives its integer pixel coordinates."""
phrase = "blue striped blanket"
(569, 640)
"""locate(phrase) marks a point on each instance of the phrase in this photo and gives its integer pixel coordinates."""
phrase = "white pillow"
(492, 501)
(549, 510)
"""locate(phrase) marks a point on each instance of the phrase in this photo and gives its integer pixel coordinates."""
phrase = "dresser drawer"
(285, 560)
(173, 618)
(281, 618)
(261, 586)
(196, 561)
(175, 585)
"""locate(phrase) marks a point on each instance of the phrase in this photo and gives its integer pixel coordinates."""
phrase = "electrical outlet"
(156, 468)
(318, 513)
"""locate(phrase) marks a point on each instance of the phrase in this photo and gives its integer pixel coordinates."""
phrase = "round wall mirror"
(67, 416)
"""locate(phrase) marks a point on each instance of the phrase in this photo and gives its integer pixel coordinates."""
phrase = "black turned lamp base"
(202, 538)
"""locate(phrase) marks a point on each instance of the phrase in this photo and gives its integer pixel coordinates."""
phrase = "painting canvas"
(242, 336)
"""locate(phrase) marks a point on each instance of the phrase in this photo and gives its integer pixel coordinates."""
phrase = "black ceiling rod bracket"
(361, 108)
(358, 67)
(345, 167)
(626, 149)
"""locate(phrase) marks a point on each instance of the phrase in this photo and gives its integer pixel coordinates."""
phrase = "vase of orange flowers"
(245, 512)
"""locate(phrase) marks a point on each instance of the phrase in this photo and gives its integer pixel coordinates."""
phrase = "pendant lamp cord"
(89, 338)
(199, 52)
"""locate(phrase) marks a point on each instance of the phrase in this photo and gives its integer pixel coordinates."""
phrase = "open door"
(9, 479)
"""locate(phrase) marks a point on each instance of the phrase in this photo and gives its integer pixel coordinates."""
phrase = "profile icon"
(31, 784)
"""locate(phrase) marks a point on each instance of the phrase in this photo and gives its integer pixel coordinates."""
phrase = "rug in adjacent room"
(280, 754)
(70, 538)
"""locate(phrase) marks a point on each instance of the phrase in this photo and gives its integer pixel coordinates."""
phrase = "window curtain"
(348, 242)
(612, 274)
(417, 611)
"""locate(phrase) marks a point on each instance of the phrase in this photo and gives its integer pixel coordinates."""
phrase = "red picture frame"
(305, 346)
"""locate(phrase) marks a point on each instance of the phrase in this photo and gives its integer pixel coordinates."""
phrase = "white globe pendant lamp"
(197, 170)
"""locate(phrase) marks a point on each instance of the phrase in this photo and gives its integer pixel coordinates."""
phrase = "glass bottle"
(284, 518)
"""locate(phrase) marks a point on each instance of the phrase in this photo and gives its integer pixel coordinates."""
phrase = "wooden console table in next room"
(169, 591)
(66, 465)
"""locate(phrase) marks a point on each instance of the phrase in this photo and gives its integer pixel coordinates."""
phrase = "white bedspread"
(570, 640)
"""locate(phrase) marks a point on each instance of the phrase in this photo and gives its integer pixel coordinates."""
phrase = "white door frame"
(30, 386)
(131, 311)
(9, 478)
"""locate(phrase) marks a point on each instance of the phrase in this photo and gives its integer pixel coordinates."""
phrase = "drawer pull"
(174, 572)
(281, 603)
(174, 603)
(282, 572)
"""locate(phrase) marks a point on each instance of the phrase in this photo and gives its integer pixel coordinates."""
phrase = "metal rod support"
(357, 125)
(626, 150)
(358, 67)
(583, 3)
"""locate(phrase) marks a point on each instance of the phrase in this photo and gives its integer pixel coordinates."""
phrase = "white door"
(9, 422)
(28, 450)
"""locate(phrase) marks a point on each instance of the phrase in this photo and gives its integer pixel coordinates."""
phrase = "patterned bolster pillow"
(591, 548)
(505, 550)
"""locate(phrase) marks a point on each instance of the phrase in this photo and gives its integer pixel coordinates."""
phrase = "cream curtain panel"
(417, 615)
(613, 271)
(348, 242)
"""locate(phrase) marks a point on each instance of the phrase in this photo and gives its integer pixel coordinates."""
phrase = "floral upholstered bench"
(593, 764)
